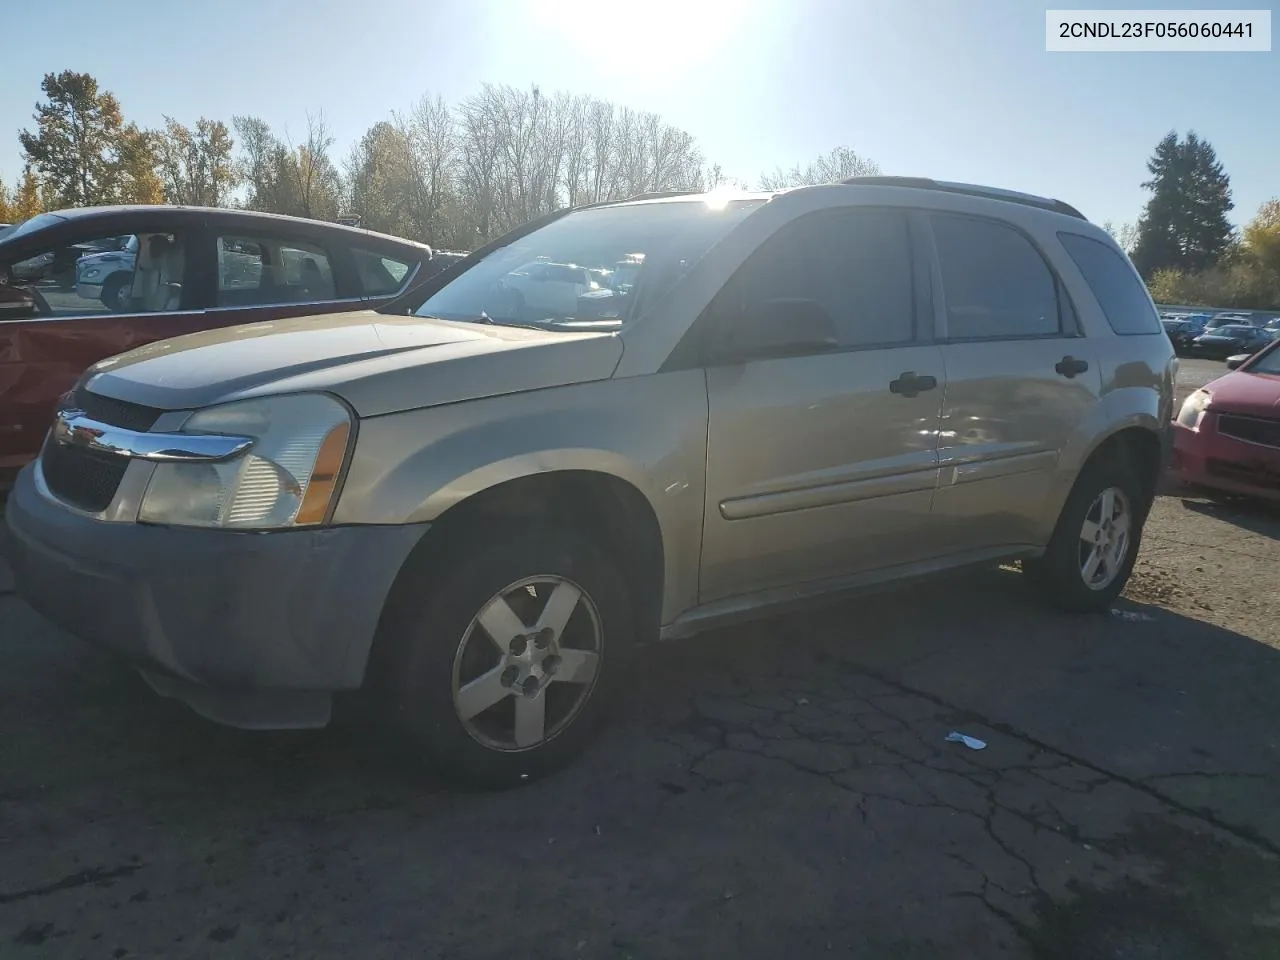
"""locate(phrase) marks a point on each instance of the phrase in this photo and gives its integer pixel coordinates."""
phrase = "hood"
(106, 256)
(1243, 392)
(377, 363)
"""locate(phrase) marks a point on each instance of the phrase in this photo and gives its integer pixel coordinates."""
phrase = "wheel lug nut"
(543, 638)
(530, 686)
(509, 676)
(519, 645)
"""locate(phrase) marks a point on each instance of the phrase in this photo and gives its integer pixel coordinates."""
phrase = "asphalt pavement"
(779, 790)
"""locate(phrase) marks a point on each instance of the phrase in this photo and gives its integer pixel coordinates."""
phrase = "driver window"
(131, 273)
(856, 263)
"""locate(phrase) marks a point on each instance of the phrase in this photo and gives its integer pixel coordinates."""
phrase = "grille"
(80, 477)
(118, 413)
(1254, 474)
(1252, 429)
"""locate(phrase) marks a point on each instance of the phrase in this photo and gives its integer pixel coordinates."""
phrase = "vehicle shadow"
(1256, 516)
(731, 757)
(1149, 695)
(1144, 693)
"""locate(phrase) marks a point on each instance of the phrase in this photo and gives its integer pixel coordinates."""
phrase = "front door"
(816, 467)
(95, 296)
(1021, 381)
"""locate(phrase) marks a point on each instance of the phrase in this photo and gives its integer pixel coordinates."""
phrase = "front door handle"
(911, 385)
(1070, 367)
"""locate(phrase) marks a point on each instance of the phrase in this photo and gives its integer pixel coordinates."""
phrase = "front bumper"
(1204, 457)
(88, 290)
(250, 629)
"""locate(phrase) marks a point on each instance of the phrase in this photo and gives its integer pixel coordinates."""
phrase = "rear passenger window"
(995, 283)
(380, 275)
(856, 263)
(1114, 283)
(260, 270)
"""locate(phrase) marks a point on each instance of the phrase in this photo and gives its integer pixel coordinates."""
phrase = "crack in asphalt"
(1244, 834)
(794, 730)
(81, 879)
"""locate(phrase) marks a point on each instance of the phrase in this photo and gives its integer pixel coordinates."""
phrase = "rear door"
(1021, 379)
(266, 273)
(107, 299)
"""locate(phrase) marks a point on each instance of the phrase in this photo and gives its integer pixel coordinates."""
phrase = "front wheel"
(113, 291)
(510, 655)
(1095, 543)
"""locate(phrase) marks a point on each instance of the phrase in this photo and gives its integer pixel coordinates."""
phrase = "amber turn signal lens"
(324, 478)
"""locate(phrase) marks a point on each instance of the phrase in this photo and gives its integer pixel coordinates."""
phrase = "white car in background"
(553, 287)
(108, 276)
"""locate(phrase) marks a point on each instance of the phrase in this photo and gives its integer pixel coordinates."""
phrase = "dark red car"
(80, 285)
(1227, 435)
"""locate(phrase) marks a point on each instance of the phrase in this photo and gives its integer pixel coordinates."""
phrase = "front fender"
(649, 432)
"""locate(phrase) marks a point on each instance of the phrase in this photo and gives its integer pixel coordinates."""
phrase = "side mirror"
(1234, 362)
(16, 303)
(773, 328)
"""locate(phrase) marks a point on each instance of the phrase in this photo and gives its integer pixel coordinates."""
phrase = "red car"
(1227, 435)
(136, 274)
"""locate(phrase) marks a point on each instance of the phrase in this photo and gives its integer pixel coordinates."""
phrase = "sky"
(952, 89)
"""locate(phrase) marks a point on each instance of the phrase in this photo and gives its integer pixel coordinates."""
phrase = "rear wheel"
(1096, 540)
(506, 663)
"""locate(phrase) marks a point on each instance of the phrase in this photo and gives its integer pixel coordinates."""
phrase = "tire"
(439, 647)
(112, 289)
(1060, 572)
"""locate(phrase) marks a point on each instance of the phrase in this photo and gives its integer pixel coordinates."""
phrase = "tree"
(840, 164)
(318, 186)
(28, 199)
(1262, 237)
(74, 148)
(195, 165)
(1184, 225)
(136, 177)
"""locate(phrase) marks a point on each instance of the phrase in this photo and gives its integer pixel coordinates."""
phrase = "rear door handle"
(911, 385)
(1071, 367)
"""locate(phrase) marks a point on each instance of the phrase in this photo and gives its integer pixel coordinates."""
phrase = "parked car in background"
(1227, 435)
(1182, 331)
(1229, 320)
(80, 285)
(1219, 343)
(543, 287)
(107, 276)
(479, 512)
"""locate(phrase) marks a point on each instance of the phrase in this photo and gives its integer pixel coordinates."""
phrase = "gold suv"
(481, 501)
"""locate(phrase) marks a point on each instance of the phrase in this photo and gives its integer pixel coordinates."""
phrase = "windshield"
(1267, 362)
(34, 223)
(592, 268)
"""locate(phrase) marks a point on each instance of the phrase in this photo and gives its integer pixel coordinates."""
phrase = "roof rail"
(658, 195)
(970, 189)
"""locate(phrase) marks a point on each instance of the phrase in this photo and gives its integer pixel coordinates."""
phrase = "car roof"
(918, 188)
(226, 214)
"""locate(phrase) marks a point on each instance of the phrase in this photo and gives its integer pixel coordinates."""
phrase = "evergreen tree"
(1184, 226)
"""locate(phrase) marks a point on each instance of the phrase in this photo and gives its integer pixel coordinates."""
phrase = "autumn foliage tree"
(195, 165)
(75, 148)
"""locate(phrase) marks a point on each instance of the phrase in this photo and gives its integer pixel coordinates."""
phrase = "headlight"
(1192, 408)
(288, 478)
(91, 272)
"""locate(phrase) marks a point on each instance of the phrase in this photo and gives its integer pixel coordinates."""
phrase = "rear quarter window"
(1115, 284)
(380, 275)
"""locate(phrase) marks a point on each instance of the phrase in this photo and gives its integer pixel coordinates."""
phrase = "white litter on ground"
(973, 743)
(1132, 616)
